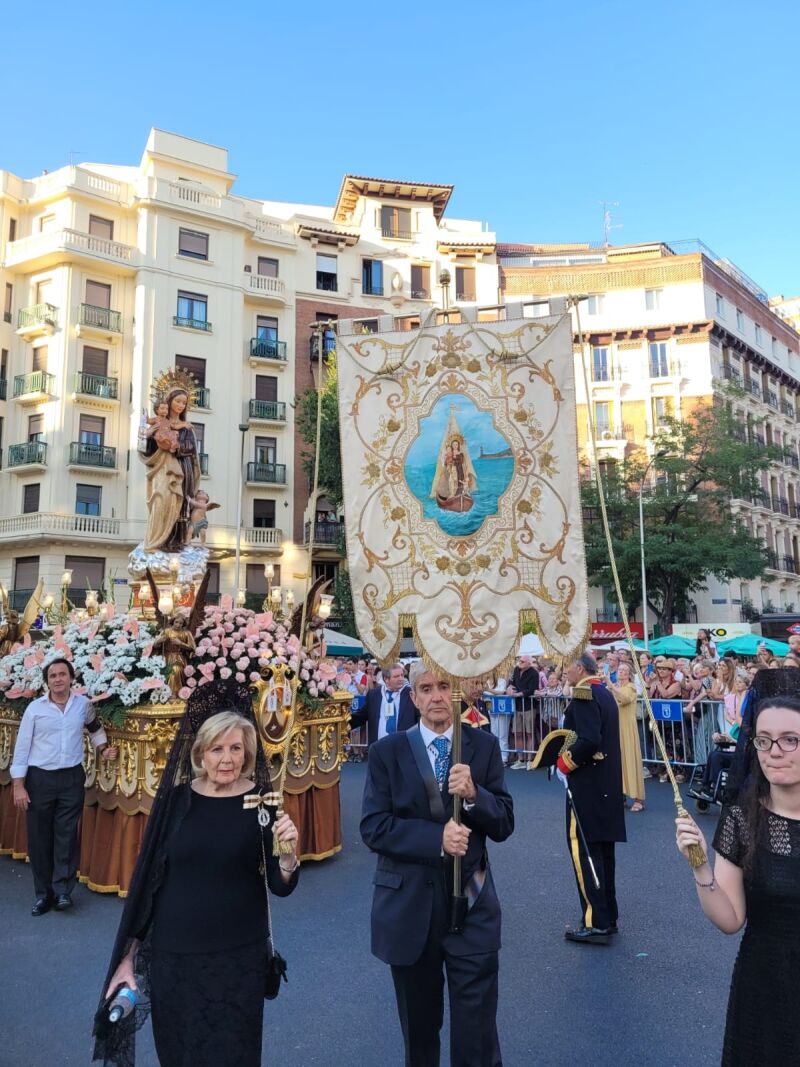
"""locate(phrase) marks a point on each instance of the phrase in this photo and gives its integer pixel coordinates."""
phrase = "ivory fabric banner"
(461, 489)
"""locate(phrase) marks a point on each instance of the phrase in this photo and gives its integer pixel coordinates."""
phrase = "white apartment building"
(665, 326)
(111, 274)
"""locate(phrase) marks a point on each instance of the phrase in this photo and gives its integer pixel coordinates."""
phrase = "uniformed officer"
(592, 765)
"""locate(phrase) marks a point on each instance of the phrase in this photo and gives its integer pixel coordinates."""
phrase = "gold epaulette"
(584, 690)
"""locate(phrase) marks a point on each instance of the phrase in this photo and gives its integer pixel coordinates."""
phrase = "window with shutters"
(100, 227)
(12, 230)
(87, 499)
(43, 290)
(266, 387)
(26, 575)
(267, 267)
(396, 222)
(95, 361)
(192, 308)
(266, 328)
(4, 364)
(327, 273)
(325, 570)
(265, 449)
(465, 283)
(39, 359)
(200, 434)
(30, 498)
(36, 427)
(88, 572)
(264, 514)
(194, 366)
(98, 295)
(420, 281)
(9, 300)
(92, 430)
(372, 277)
(192, 243)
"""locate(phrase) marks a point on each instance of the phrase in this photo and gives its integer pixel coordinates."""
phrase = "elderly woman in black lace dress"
(193, 938)
(756, 882)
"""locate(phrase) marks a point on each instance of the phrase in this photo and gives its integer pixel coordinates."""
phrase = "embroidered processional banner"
(461, 490)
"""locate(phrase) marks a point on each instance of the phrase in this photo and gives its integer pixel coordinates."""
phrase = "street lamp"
(658, 455)
(243, 428)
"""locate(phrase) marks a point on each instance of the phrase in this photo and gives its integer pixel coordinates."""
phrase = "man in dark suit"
(388, 708)
(407, 820)
(592, 765)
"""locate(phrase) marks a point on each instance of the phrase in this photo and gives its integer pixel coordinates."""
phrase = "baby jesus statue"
(159, 425)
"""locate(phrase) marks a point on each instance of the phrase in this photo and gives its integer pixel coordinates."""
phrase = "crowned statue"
(168, 449)
(454, 481)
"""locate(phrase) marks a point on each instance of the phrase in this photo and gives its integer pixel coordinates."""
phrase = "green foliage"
(330, 457)
(343, 599)
(690, 531)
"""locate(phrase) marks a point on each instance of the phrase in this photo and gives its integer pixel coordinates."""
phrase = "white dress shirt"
(52, 739)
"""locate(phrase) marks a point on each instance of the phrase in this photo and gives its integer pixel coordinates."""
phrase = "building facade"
(665, 327)
(112, 274)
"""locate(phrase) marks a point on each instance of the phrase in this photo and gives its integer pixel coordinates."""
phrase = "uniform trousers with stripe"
(598, 906)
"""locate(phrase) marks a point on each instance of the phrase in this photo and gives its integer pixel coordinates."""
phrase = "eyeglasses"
(789, 743)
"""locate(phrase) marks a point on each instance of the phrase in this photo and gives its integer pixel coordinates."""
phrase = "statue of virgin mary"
(454, 481)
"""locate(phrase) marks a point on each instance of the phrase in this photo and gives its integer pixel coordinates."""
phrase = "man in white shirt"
(388, 708)
(48, 776)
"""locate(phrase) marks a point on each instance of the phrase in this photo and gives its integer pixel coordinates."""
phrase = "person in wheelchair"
(719, 760)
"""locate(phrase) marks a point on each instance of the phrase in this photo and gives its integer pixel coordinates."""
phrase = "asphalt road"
(656, 996)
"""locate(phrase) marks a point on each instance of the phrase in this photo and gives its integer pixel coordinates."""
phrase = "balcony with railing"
(325, 533)
(328, 346)
(28, 454)
(96, 385)
(757, 441)
(732, 374)
(49, 524)
(787, 409)
(754, 387)
(780, 504)
(202, 458)
(30, 388)
(269, 473)
(264, 348)
(266, 287)
(739, 433)
(770, 398)
(262, 537)
(789, 564)
(36, 320)
(191, 324)
(44, 249)
(394, 233)
(82, 454)
(604, 372)
(761, 498)
(93, 320)
(327, 283)
(267, 411)
(793, 461)
(3, 388)
(772, 560)
(203, 398)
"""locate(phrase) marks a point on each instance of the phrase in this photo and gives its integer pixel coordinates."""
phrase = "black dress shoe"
(588, 935)
(42, 905)
(613, 928)
(63, 902)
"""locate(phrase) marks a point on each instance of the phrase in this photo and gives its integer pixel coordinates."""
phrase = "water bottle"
(122, 1005)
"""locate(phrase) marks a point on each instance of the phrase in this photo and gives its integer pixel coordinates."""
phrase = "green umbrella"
(672, 645)
(747, 645)
(342, 645)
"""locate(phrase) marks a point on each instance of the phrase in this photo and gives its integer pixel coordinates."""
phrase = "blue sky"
(684, 113)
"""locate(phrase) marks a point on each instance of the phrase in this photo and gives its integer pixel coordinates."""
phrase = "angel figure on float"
(454, 481)
(200, 504)
(175, 641)
(14, 626)
(173, 469)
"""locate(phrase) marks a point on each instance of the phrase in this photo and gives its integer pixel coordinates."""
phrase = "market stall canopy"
(530, 645)
(341, 645)
(747, 645)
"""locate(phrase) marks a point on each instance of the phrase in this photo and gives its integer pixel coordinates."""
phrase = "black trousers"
(472, 991)
(56, 802)
(598, 906)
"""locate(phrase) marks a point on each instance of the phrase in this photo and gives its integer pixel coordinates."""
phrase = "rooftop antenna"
(608, 226)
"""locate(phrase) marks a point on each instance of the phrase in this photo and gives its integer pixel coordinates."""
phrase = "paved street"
(656, 996)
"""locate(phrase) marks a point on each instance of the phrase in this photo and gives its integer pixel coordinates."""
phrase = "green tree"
(330, 457)
(704, 462)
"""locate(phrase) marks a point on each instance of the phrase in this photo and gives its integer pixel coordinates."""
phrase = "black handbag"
(276, 964)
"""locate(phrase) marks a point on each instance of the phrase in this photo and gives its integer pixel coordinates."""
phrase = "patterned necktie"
(442, 746)
(391, 718)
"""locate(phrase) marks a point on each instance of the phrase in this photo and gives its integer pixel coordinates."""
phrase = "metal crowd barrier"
(687, 734)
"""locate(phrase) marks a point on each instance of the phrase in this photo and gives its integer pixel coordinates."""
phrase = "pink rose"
(312, 690)
(225, 673)
(221, 661)
(192, 683)
(240, 677)
(252, 653)
(304, 675)
(255, 676)
(184, 692)
(188, 671)
(243, 663)
(227, 642)
(228, 627)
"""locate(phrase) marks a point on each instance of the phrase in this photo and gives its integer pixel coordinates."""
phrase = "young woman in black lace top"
(756, 880)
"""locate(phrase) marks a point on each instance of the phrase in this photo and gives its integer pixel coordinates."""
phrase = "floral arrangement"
(238, 643)
(112, 658)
